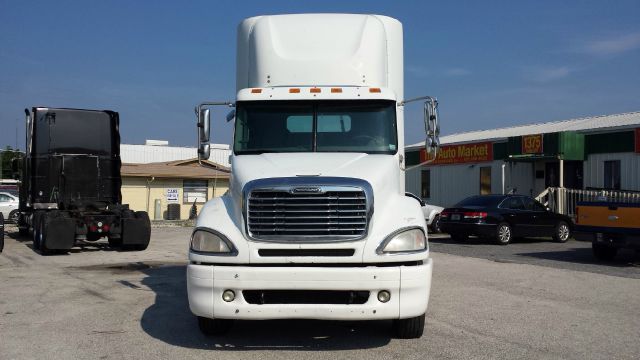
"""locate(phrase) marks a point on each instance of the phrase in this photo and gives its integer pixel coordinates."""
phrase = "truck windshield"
(367, 126)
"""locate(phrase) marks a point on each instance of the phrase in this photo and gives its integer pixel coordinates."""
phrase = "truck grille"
(338, 213)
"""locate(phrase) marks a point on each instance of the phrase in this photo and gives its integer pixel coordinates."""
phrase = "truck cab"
(316, 224)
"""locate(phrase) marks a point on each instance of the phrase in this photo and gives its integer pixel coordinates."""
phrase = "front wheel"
(13, 216)
(435, 224)
(411, 328)
(503, 234)
(562, 232)
(214, 326)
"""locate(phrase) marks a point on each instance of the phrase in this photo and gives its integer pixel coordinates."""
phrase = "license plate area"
(455, 217)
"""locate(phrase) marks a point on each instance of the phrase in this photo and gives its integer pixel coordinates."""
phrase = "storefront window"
(485, 180)
(194, 191)
(612, 174)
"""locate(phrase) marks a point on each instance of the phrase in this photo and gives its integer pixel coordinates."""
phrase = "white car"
(9, 207)
(431, 213)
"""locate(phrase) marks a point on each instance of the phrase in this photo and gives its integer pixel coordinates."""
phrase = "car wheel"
(562, 233)
(214, 326)
(603, 252)
(13, 216)
(411, 328)
(435, 224)
(504, 234)
(459, 238)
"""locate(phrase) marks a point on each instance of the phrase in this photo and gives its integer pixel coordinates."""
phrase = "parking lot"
(530, 299)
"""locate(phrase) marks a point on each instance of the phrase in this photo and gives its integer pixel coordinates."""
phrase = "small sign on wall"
(532, 144)
(172, 195)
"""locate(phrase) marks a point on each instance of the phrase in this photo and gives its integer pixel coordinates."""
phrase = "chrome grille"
(335, 213)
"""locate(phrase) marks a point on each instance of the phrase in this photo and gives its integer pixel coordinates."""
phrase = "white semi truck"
(316, 224)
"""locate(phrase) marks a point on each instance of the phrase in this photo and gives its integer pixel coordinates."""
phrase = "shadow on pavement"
(170, 320)
(625, 257)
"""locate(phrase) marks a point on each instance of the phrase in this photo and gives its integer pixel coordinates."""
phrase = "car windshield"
(480, 201)
(367, 126)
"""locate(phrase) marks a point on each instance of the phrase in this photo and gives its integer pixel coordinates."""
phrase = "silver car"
(9, 207)
(431, 213)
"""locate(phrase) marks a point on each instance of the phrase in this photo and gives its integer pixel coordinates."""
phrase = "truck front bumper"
(409, 286)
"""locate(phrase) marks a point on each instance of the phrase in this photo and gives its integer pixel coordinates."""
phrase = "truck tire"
(503, 234)
(215, 327)
(411, 328)
(114, 242)
(1, 232)
(42, 236)
(35, 226)
(603, 252)
(562, 232)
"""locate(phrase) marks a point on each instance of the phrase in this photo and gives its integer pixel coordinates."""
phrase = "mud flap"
(60, 233)
(137, 230)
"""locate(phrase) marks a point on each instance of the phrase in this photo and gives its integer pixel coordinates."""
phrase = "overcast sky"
(491, 64)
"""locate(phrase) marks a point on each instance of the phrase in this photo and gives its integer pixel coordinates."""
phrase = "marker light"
(294, 91)
(315, 90)
(374, 90)
(256, 91)
(336, 90)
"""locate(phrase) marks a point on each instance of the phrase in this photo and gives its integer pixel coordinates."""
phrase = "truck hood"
(381, 171)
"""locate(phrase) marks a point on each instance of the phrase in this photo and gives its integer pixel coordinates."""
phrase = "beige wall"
(136, 189)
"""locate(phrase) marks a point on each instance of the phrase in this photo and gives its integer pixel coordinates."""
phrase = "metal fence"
(564, 200)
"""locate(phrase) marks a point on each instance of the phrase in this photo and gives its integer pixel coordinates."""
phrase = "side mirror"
(204, 122)
(204, 151)
(431, 127)
(231, 115)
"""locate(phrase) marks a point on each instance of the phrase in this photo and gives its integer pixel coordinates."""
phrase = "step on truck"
(316, 224)
(70, 189)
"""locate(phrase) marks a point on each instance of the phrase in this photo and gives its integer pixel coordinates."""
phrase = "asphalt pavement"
(96, 303)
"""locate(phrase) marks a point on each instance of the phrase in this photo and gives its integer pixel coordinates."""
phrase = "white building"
(601, 152)
(159, 151)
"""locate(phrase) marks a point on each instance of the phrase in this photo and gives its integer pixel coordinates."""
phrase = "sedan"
(503, 217)
(9, 206)
(431, 213)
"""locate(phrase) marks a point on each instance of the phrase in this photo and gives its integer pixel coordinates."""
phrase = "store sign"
(172, 195)
(638, 140)
(532, 144)
(460, 154)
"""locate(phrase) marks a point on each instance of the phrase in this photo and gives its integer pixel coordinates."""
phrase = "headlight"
(209, 241)
(404, 241)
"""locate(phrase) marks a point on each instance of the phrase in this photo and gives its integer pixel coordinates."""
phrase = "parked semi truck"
(71, 182)
(316, 224)
(609, 225)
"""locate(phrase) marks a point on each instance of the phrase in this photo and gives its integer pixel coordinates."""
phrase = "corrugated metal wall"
(144, 154)
(629, 170)
(452, 183)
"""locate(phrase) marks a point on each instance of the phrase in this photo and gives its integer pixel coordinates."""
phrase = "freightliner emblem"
(306, 190)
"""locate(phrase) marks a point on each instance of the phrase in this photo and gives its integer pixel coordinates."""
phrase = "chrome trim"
(324, 184)
(385, 242)
(233, 250)
(45, 205)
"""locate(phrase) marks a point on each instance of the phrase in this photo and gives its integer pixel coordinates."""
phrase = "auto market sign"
(532, 144)
(463, 153)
